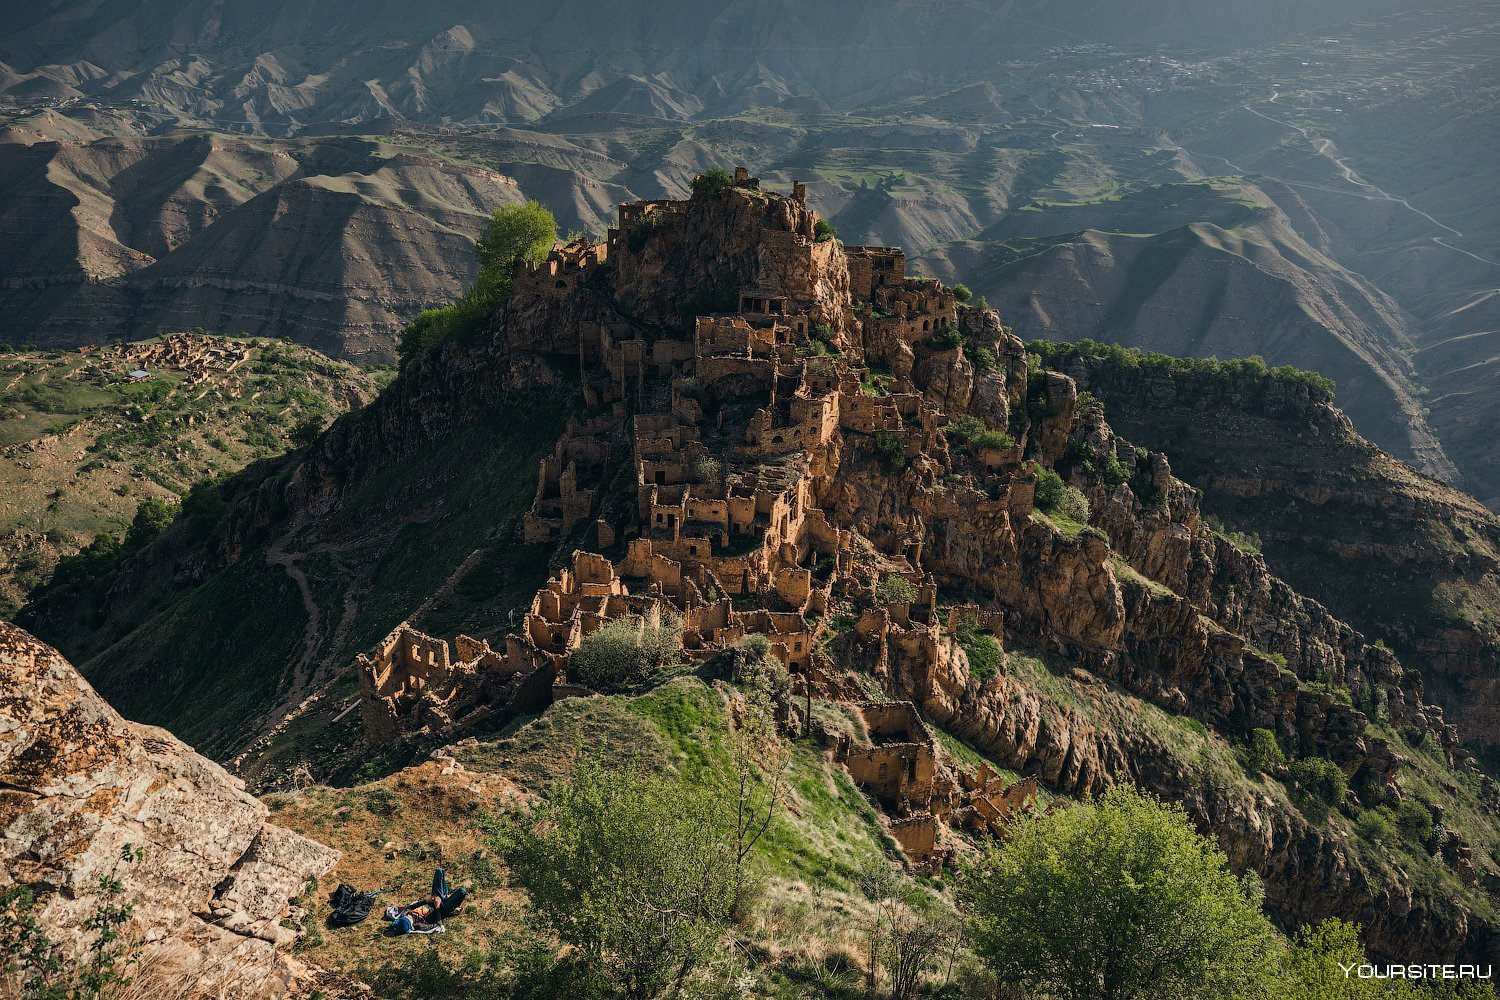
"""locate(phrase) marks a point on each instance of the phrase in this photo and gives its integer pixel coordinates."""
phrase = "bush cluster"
(712, 183)
(1131, 359)
(973, 431)
(514, 233)
(891, 451)
(1319, 784)
(625, 652)
(1264, 752)
(1053, 496)
(895, 590)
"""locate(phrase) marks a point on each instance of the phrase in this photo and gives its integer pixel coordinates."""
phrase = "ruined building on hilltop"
(820, 448)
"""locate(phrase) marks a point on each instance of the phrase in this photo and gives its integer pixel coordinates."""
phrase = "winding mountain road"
(1324, 148)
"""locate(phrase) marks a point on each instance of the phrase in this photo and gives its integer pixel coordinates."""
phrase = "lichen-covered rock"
(86, 795)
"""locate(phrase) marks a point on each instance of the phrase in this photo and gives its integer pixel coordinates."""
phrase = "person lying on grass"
(425, 916)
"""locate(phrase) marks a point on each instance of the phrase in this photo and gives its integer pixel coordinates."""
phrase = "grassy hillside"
(81, 444)
(248, 603)
(803, 939)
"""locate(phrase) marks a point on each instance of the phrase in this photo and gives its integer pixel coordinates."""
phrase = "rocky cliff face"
(1404, 558)
(86, 795)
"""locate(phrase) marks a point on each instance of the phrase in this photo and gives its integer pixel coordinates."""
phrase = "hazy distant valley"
(1225, 202)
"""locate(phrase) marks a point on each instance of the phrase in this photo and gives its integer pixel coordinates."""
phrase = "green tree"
(151, 518)
(823, 231)
(307, 431)
(712, 182)
(1319, 784)
(1311, 969)
(962, 293)
(1053, 496)
(636, 870)
(1114, 899)
(1264, 752)
(1314, 968)
(513, 233)
(1049, 489)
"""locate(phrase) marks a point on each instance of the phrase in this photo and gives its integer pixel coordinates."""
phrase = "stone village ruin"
(765, 445)
(726, 535)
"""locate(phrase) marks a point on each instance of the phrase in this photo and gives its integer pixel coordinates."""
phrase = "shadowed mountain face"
(1291, 180)
(335, 243)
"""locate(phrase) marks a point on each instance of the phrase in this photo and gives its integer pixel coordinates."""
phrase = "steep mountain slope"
(83, 443)
(1206, 290)
(771, 430)
(1401, 556)
(338, 242)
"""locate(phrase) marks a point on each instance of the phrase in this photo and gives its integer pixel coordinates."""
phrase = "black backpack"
(350, 906)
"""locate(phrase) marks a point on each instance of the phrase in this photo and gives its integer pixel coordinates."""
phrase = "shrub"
(1264, 752)
(307, 431)
(1049, 489)
(1106, 466)
(712, 183)
(1319, 783)
(962, 293)
(895, 590)
(964, 427)
(982, 357)
(1053, 496)
(625, 652)
(708, 470)
(1089, 404)
(998, 440)
(1119, 897)
(1373, 825)
(635, 870)
(33, 967)
(151, 518)
(1414, 820)
(823, 231)
(946, 339)
(891, 451)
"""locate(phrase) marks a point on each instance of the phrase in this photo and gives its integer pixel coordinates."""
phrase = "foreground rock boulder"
(86, 795)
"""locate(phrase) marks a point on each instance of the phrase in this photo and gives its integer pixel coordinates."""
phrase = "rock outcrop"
(86, 795)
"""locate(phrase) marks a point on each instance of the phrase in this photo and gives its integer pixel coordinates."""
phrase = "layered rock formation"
(86, 796)
(336, 242)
